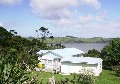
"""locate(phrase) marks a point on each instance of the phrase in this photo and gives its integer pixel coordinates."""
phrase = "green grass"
(46, 75)
(106, 77)
(76, 40)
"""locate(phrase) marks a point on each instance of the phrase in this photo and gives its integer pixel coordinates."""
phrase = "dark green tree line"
(111, 53)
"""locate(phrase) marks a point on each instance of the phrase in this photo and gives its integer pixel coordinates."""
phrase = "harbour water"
(86, 46)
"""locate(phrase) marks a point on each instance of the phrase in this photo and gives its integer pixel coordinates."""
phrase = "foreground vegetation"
(106, 77)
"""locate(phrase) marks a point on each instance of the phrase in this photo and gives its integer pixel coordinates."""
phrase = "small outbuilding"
(69, 60)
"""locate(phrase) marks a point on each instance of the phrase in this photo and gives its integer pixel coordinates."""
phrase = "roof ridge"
(52, 52)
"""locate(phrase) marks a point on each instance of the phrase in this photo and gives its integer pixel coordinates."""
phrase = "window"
(49, 62)
(44, 61)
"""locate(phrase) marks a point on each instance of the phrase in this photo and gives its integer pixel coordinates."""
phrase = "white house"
(69, 60)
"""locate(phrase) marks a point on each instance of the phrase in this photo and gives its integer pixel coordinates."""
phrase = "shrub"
(117, 69)
(86, 77)
(11, 74)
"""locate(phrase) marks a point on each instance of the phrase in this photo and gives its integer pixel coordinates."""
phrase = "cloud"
(86, 19)
(1, 24)
(80, 21)
(10, 2)
(101, 17)
(114, 25)
(93, 3)
(59, 9)
(52, 9)
(103, 29)
(93, 18)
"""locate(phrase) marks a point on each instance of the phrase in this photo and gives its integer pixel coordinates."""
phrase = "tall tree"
(111, 53)
(44, 33)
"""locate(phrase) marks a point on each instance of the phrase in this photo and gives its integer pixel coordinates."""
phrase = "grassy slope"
(76, 40)
(107, 77)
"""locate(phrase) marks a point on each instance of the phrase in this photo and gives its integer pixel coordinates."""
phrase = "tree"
(44, 33)
(5, 36)
(111, 53)
(13, 32)
(51, 37)
(26, 51)
(92, 53)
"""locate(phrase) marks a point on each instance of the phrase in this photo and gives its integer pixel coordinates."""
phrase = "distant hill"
(70, 39)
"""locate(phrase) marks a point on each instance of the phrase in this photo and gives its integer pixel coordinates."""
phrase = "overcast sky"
(79, 18)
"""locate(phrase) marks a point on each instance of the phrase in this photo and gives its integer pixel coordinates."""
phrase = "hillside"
(76, 40)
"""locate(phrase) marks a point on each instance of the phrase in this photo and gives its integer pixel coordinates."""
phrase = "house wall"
(79, 68)
(50, 63)
(75, 68)
(70, 68)
(99, 68)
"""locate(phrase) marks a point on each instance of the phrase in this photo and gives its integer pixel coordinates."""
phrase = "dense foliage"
(10, 71)
(24, 49)
(17, 55)
(92, 53)
(111, 53)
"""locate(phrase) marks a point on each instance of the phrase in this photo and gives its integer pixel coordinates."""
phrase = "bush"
(11, 74)
(92, 53)
(117, 69)
(86, 77)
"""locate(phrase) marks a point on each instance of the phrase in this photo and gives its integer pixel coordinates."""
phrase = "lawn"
(46, 75)
(107, 77)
